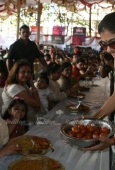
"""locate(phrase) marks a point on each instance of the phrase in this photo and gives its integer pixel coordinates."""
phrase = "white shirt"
(44, 93)
(56, 95)
(4, 136)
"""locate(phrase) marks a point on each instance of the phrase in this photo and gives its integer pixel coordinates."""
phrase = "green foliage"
(55, 15)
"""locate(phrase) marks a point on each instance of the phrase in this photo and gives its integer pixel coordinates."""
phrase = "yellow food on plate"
(36, 162)
(27, 165)
(33, 144)
(25, 142)
(74, 108)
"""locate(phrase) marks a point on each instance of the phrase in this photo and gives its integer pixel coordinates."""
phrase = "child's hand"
(16, 116)
(10, 148)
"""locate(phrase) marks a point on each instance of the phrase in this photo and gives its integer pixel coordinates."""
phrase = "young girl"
(15, 116)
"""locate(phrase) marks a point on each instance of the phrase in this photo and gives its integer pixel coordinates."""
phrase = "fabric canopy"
(5, 4)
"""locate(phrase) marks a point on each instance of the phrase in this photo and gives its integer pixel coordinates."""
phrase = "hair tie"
(17, 98)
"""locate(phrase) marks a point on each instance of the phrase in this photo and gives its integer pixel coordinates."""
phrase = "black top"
(18, 50)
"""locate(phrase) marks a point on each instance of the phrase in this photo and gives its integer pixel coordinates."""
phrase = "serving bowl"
(65, 128)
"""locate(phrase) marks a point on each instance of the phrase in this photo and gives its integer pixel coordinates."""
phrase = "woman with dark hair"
(66, 81)
(16, 85)
(54, 72)
(106, 30)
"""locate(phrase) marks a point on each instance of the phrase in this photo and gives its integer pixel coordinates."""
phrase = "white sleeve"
(4, 136)
(56, 95)
(14, 89)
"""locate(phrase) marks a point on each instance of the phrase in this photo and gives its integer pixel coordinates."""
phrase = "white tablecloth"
(72, 158)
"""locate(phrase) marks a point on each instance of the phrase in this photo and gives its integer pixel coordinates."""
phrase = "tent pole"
(38, 22)
(90, 21)
(18, 18)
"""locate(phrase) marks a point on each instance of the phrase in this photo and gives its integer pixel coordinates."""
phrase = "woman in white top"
(16, 85)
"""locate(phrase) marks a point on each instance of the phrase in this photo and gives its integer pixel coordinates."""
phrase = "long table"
(71, 157)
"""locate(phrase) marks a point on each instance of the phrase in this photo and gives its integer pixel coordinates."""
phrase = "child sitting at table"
(15, 116)
(44, 91)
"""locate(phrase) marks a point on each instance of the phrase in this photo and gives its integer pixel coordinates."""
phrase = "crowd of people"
(24, 96)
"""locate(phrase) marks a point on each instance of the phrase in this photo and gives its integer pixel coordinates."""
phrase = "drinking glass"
(40, 118)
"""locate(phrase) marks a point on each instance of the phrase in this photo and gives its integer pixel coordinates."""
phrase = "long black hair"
(107, 23)
(12, 104)
(52, 68)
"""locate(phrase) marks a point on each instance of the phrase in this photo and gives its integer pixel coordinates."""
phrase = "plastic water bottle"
(98, 73)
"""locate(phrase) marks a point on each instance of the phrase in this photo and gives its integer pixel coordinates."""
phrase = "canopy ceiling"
(7, 7)
(88, 3)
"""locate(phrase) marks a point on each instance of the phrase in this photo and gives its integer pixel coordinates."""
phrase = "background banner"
(79, 31)
(57, 30)
(78, 39)
(57, 39)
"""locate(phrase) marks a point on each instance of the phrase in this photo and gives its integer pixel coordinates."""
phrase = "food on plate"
(28, 165)
(25, 142)
(33, 144)
(40, 144)
(88, 131)
(83, 107)
(76, 94)
(94, 85)
(36, 162)
(83, 88)
(75, 108)
(53, 164)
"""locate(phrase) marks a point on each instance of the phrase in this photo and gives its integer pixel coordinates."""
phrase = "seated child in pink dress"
(15, 116)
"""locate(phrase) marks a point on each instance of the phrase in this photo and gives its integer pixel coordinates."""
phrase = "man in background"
(24, 48)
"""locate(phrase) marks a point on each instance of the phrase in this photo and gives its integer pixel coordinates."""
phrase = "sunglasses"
(110, 43)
